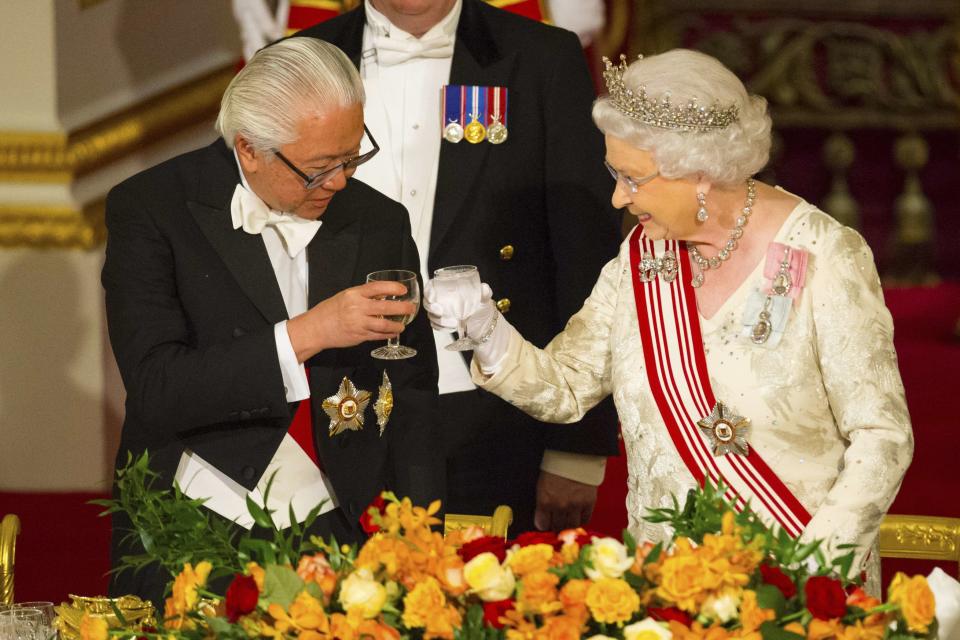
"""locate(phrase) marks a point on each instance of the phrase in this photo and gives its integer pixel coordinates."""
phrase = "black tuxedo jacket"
(544, 191)
(191, 305)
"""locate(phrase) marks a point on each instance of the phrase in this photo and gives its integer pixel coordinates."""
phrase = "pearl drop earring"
(702, 214)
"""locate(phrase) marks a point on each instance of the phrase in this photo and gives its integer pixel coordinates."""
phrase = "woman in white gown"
(741, 331)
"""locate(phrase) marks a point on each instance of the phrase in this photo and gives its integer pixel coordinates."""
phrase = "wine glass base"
(462, 344)
(393, 353)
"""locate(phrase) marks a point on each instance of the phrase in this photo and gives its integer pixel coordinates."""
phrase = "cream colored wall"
(28, 101)
(63, 68)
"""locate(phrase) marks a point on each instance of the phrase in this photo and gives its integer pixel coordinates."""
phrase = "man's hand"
(348, 318)
(562, 503)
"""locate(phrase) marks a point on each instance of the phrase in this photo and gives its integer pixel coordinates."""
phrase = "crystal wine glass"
(393, 349)
(457, 284)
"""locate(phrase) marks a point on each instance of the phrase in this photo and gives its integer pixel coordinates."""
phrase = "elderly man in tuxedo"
(511, 179)
(237, 304)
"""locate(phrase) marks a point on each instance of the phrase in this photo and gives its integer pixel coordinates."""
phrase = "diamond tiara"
(662, 113)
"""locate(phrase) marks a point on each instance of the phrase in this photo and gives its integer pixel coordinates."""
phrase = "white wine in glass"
(457, 283)
(393, 349)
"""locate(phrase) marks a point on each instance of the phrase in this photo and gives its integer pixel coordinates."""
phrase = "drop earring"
(702, 214)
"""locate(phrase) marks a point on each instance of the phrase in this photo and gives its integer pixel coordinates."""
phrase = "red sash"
(676, 368)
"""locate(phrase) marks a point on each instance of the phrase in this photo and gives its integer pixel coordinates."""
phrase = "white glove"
(447, 308)
(480, 316)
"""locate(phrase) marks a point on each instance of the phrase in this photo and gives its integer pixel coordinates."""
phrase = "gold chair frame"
(496, 525)
(9, 529)
(920, 538)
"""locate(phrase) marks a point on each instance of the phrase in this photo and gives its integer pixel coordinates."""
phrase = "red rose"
(493, 611)
(366, 520)
(493, 544)
(825, 597)
(538, 537)
(668, 614)
(776, 577)
(241, 597)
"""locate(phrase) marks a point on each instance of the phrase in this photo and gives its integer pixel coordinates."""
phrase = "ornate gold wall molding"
(52, 227)
(60, 158)
(920, 537)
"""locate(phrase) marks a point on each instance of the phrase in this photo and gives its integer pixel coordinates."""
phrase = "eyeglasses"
(314, 181)
(633, 184)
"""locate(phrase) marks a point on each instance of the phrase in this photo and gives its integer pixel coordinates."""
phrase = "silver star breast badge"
(726, 431)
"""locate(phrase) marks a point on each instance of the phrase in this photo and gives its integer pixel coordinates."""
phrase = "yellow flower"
(306, 613)
(612, 600)
(360, 592)
(751, 615)
(484, 575)
(538, 593)
(915, 599)
(256, 572)
(686, 580)
(647, 629)
(426, 607)
(185, 597)
(93, 628)
(530, 559)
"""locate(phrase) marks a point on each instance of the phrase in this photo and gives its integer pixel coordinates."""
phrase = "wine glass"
(456, 283)
(393, 349)
(21, 624)
(48, 615)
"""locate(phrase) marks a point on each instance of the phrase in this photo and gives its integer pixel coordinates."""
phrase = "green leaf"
(281, 585)
(770, 597)
(220, 626)
(654, 554)
(629, 542)
(260, 516)
(770, 631)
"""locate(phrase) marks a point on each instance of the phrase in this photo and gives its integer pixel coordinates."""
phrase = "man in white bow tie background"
(237, 303)
(531, 210)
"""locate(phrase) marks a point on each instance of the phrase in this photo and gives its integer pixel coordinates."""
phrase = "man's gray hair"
(726, 156)
(281, 85)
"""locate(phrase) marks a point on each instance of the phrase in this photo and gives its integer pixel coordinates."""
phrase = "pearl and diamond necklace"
(705, 264)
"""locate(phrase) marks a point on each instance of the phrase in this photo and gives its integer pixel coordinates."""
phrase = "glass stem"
(463, 329)
(393, 342)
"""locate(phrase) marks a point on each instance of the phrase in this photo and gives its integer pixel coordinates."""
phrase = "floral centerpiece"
(724, 575)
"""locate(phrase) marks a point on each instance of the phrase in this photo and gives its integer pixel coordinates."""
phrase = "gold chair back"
(496, 525)
(9, 528)
(920, 538)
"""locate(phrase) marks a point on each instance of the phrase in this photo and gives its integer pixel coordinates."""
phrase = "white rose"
(647, 629)
(488, 579)
(360, 591)
(609, 559)
(721, 608)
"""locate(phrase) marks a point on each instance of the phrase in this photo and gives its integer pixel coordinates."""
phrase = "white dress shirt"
(297, 480)
(403, 108)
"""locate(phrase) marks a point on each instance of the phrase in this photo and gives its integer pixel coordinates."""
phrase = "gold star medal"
(726, 431)
(384, 404)
(346, 408)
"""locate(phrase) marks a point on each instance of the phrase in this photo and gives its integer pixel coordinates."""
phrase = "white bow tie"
(391, 51)
(251, 213)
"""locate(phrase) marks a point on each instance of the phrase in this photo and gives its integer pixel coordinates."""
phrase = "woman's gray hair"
(726, 156)
(282, 84)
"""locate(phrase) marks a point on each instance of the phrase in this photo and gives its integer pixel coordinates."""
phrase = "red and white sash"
(677, 370)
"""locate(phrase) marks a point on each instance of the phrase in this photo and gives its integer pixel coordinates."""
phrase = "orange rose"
(686, 580)
(915, 599)
(317, 569)
(573, 597)
(561, 628)
(538, 593)
(612, 600)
